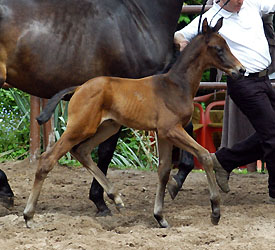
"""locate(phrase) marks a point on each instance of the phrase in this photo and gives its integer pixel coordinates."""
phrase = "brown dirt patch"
(65, 217)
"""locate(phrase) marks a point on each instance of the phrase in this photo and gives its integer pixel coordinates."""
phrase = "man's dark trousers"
(256, 99)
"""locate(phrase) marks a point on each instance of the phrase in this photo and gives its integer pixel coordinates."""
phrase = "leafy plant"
(136, 149)
(14, 124)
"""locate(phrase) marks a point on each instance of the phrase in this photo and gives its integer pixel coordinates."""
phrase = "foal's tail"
(47, 112)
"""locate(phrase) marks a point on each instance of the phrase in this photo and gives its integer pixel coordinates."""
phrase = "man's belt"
(259, 74)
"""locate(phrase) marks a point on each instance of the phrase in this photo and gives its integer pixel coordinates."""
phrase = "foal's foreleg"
(164, 168)
(185, 166)
(82, 153)
(181, 139)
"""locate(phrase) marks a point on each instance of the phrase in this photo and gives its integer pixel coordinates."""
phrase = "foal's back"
(145, 104)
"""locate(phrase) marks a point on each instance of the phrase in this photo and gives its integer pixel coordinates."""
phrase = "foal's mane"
(190, 52)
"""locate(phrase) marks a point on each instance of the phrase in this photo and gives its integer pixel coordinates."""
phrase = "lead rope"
(203, 8)
(219, 9)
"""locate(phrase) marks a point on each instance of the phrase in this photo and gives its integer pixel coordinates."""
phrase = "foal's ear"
(205, 27)
(218, 25)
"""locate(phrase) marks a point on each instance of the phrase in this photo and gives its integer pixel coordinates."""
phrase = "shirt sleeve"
(267, 6)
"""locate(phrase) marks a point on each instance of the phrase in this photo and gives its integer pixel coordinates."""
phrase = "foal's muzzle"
(238, 72)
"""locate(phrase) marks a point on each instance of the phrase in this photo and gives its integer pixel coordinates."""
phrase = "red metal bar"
(34, 128)
(47, 128)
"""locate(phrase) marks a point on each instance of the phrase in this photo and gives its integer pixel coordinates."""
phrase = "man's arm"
(185, 35)
(267, 6)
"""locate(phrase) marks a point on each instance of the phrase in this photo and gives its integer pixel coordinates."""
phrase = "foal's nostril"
(242, 71)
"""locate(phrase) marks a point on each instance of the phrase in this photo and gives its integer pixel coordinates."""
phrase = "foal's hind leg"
(181, 139)
(82, 153)
(45, 165)
(164, 168)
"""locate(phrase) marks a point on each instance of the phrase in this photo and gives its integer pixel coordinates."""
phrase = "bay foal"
(162, 103)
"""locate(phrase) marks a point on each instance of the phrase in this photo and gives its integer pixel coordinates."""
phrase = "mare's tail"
(47, 112)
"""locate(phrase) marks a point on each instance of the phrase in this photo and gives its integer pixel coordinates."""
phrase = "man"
(243, 30)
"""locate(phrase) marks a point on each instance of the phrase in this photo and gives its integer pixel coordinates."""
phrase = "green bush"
(136, 149)
(14, 124)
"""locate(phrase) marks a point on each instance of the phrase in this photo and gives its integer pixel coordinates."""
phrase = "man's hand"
(180, 41)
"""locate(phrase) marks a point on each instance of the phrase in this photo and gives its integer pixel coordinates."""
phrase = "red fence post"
(34, 128)
(47, 129)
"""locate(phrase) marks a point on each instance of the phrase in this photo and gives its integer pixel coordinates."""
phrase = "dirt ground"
(65, 217)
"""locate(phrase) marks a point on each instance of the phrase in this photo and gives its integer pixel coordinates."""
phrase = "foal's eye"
(218, 49)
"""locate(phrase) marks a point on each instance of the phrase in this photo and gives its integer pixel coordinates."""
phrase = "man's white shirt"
(243, 32)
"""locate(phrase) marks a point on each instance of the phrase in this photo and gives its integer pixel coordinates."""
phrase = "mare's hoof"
(173, 188)
(104, 213)
(215, 219)
(7, 201)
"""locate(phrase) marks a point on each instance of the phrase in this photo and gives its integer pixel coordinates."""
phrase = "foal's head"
(217, 53)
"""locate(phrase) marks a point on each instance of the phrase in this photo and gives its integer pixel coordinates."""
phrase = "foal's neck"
(188, 69)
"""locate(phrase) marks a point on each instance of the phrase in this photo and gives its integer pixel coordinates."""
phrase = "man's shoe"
(271, 200)
(222, 176)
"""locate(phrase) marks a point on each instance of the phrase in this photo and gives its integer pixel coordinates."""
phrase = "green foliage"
(184, 18)
(136, 149)
(14, 124)
(193, 2)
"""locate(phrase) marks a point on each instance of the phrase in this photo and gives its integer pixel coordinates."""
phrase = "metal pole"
(193, 9)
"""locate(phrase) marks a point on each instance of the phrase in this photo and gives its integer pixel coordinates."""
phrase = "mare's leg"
(6, 194)
(181, 139)
(105, 153)
(164, 168)
(186, 165)
(82, 152)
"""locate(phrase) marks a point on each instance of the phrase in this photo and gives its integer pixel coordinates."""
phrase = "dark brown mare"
(49, 45)
(161, 103)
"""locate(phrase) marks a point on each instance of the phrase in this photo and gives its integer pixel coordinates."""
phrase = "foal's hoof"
(119, 207)
(215, 219)
(173, 188)
(29, 221)
(118, 202)
(7, 201)
(163, 224)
